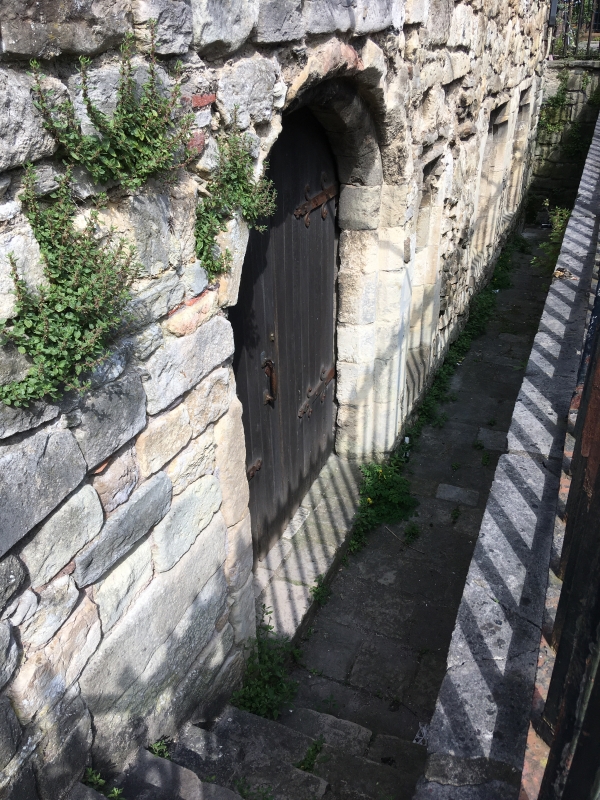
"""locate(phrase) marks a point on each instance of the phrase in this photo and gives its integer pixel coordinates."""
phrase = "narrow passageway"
(376, 652)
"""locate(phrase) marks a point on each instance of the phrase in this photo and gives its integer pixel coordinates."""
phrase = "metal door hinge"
(318, 201)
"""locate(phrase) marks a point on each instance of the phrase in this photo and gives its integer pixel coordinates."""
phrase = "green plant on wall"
(147, 134)
(233, 188)
(551, 111)
(67, 324)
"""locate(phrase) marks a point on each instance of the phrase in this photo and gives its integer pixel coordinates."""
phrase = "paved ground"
(376, 653)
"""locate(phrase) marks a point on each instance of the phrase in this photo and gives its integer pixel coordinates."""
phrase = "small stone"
(146, 342)
(247, 86)
(69, 528)
(56, 603)
(44, 469)
(114, 594)
(221, 28)
(194, 279)
(208, 162)
(12, 575)
(110, 417)
(194, 461)
(183, 362)
(209, 400)
(14, 366)
(16, 420)
(22, 608)
(124, 528)
(153, 298)
(162, 439)
(10, 732)
(4, 184)
(190, 513)
(9, 210)
(231, 463)
(109, 369)
(117, 482)
(9, 653)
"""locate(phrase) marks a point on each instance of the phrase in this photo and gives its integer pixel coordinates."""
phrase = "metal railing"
(576, 28)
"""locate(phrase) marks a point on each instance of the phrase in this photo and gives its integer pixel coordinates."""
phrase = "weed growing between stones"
(66, 325)
(308, 762)
(559, 219)
(551, 111)
(384, 492)
(320, 591)
(412, 532)
(454, 515)
(232, 189)
(160, 748)
(266, 683)
(95, 781)
(147, 134)
(244, 789)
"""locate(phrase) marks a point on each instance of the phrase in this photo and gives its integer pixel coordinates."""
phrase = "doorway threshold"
(312, 545)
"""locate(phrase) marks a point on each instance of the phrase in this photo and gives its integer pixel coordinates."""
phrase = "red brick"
(197, 141)
(202, 100)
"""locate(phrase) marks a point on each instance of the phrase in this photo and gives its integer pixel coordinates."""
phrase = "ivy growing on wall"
(147, 134)
(66, 325)
(233, 188)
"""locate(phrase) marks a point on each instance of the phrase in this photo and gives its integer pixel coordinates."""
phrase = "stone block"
(356, 343)
(48, 30)
(153, 298)
(22, 133)
(182, 362)
(209, 400)
(394, 200)
(238, 563)
(46, 674)
(190, 513)
(22, 607)
(116, 483)
(194, 278)
(439, 20)
(231, 463)
(163, 438)
(359, 207)
(357, 297)
(194, 461)
(248, 84)
(362, 16)
(354, 382)
(173, 24)
(195, 313)
(233, 240)
(12, 576)
(392, 249)
(10, 732)
(279, 21)
(9, 653)
(129, 523)
(150, 623)
(17, 241)
(56, 603)
(143, 344)
(456, 65)
(43, 470)
(359, 251)
(65, 532)
(110, 416)
(115, 593)
(416, 11)
(242, 614)
(222, 27)
(17, 420)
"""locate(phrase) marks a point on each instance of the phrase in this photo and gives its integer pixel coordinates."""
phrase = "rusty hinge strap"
(327, 375)
(318, 201)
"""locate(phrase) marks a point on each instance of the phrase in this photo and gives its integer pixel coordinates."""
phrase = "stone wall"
(125, 579)
(560, 155)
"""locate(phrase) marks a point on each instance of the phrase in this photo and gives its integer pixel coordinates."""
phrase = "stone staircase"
(246, 756)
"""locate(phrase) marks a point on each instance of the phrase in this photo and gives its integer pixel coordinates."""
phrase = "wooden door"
(283, 327)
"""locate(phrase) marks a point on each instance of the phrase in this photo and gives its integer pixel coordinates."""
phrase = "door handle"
(269, 367)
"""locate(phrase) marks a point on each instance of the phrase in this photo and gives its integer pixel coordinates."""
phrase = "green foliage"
(266, 683)
(67, 324)
(485, 459)
(559, 219)
(95, 781)
(146, 136)
(232, 189)
(308, 762)
(320, 591)
(160, 748)
(454, 515)
(412, 532)
(478, 445)
(244, 789)
(551, 111)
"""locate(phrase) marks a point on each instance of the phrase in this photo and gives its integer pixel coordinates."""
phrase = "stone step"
(232, 760)
(340, 734)
(395, 752)
(152, 778)
(356, 778)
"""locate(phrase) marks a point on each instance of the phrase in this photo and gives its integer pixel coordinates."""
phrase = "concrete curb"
(479, 729)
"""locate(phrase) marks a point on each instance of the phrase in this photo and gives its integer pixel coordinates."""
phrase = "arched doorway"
(283, 326)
